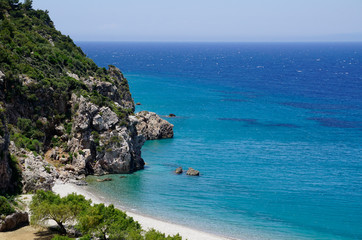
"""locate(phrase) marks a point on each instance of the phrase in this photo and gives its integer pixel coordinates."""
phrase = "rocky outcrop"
(192, 172)
(37, 173)
(152, 127)
(103, 143)
(13, 221)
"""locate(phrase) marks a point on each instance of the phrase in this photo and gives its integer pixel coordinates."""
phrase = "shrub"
(50, 206)
(5, 207)
(156, 235)
(102, 221)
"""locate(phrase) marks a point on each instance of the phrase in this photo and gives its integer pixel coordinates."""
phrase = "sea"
(275, 130)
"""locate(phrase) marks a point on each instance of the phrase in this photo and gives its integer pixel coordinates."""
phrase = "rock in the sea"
(172, 115)
(138, 103)
(192, 172)
(13, 221)
(178, 170)
(151, 126)
(104, 180)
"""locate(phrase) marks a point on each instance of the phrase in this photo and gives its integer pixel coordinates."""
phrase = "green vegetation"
(93, 221)
(49, 206)
(108, 223)
(5, 207)
(42, 69)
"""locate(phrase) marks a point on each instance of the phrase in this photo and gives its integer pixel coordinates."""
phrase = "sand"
(27, 233)
(145, 221)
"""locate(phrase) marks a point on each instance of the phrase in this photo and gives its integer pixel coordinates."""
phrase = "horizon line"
(162, 41)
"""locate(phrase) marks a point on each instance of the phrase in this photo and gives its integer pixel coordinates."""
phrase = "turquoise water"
(275, 130)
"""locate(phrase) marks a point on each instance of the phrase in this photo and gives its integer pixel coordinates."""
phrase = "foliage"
(156, 235)
(5, 207)
(107, 222)
(58, 237)
(50, 206)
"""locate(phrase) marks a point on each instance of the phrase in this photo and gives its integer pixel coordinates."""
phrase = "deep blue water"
(275, 130)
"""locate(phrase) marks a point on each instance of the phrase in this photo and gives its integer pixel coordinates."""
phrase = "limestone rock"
(103, 144)
(178, 170)
(192, 172)
(37, 174)
(105, 119)
(13, 221)
(2, 76)
(151, 126)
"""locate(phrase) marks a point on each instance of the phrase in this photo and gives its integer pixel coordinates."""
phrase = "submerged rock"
(138, 103)
(104, 180)
(172, 115)
(192, 172)
(178, 170)
(152, 127)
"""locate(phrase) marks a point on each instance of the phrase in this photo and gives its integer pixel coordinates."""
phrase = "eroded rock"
(192, 172)
(151, 126)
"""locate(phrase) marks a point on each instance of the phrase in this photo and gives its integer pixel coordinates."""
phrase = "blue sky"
(207, 20)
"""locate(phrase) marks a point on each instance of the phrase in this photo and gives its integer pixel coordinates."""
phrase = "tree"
(156, 235)
(107, 222)
(50, 206)
(28, 5)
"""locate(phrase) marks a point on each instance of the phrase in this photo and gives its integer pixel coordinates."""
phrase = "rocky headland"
(62, 116)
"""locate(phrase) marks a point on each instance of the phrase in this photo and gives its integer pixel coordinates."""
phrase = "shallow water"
(275, 130)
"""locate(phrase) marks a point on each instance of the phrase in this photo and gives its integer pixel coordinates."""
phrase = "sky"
(207, 20)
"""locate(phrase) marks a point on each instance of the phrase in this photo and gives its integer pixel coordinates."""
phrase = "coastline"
(146, 222)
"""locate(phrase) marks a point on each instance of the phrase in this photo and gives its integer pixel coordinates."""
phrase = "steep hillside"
(66, 117)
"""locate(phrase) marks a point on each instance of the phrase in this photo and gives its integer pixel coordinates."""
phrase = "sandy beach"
(145, 221)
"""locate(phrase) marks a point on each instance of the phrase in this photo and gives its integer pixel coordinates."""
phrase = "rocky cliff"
(65, 116)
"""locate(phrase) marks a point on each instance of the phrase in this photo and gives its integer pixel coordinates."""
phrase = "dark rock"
(178, 170)
(138, 103)
(192, 172)
(104, 180)
(122, 177)
(13, 221)
(172, 115)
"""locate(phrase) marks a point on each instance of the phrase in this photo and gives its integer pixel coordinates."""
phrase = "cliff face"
(62, 115)
(65, 116)
(5, 170)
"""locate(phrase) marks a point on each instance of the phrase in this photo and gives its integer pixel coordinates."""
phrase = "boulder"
(178, 170)
(171, 115)
(152, 127)
(13, 221)
(192, 172)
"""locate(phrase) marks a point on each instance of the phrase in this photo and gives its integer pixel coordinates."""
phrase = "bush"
(156, 235)
(5, 207)
(50, 206)
(101, 221)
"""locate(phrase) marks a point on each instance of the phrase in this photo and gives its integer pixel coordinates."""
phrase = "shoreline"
(146, 222)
